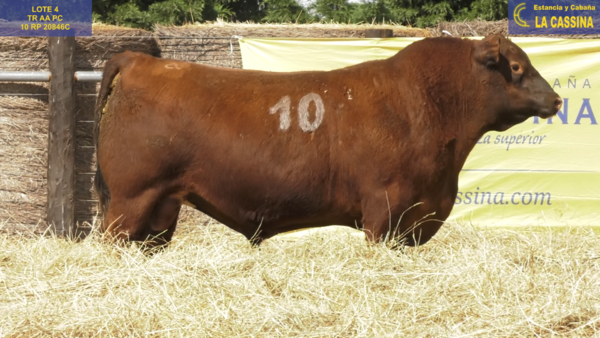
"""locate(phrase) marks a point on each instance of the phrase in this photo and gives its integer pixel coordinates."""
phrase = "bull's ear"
(487, 51)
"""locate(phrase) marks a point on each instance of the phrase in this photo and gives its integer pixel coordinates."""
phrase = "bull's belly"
(270, 216)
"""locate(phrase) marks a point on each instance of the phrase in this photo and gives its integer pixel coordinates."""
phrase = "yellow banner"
(540, 172)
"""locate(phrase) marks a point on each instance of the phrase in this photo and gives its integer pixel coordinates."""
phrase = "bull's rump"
(218, 134)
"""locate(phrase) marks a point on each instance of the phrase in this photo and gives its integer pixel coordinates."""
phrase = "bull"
(377, 146)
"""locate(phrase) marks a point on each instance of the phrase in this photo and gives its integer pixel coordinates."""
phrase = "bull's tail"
(111, 69)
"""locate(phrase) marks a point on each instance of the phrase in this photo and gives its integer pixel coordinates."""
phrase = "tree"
(370, 12)
(422, 13)
(176, 12)
(244, 10)
(487, 10)
(285, 11)
(334, 10)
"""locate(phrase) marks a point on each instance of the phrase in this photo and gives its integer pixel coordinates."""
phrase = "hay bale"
(23, 162)
(24, 53)
(91, 52)
(316, 30)
(23, 137)
(471, 28)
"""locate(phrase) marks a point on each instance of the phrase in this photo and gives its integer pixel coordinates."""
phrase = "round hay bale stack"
(23, 163)
(93, 51)
(23, 137)
(23, 53)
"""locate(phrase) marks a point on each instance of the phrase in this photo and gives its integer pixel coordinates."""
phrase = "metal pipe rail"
(25, 76)
(88, 76)
(43, 76)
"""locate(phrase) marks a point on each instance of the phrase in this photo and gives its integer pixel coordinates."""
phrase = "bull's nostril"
(558, 103)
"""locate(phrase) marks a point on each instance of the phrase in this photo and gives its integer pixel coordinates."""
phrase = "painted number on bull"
(284, 108)
(284, 117)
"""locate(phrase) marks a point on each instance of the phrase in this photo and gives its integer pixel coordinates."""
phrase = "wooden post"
(379, 33)
(61, 137)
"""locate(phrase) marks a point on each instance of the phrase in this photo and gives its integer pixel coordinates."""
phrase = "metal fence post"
(61, 137)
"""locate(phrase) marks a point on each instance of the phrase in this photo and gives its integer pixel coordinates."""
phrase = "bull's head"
(524, 94)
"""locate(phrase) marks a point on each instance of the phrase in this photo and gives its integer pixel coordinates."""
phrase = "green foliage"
(129, 14)
(370, 12)
(420, 13)
(488, 10)
(213, 10)
(334, 10)
(174, 12)
(285, 11)
(246, 10)
(222, 11)
(144, 14)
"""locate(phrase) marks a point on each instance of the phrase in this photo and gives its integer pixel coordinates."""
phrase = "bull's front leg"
(389, 217)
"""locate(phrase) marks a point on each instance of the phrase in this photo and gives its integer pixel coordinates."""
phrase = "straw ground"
(327, 283)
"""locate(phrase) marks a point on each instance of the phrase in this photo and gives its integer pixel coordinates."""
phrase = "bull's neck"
(462, 118)
(451, 84)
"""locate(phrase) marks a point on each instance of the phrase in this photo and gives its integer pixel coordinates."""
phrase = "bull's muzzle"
(558, 103)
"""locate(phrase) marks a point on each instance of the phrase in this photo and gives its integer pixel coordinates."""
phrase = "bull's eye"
(516, 67)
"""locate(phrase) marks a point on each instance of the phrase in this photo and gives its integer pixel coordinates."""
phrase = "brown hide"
(377, 146)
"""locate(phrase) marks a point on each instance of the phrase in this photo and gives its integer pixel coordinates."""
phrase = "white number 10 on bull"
(284, 108)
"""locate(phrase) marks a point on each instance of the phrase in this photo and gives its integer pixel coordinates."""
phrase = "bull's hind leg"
(163, 221)
(146, 217)
(128, 216)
